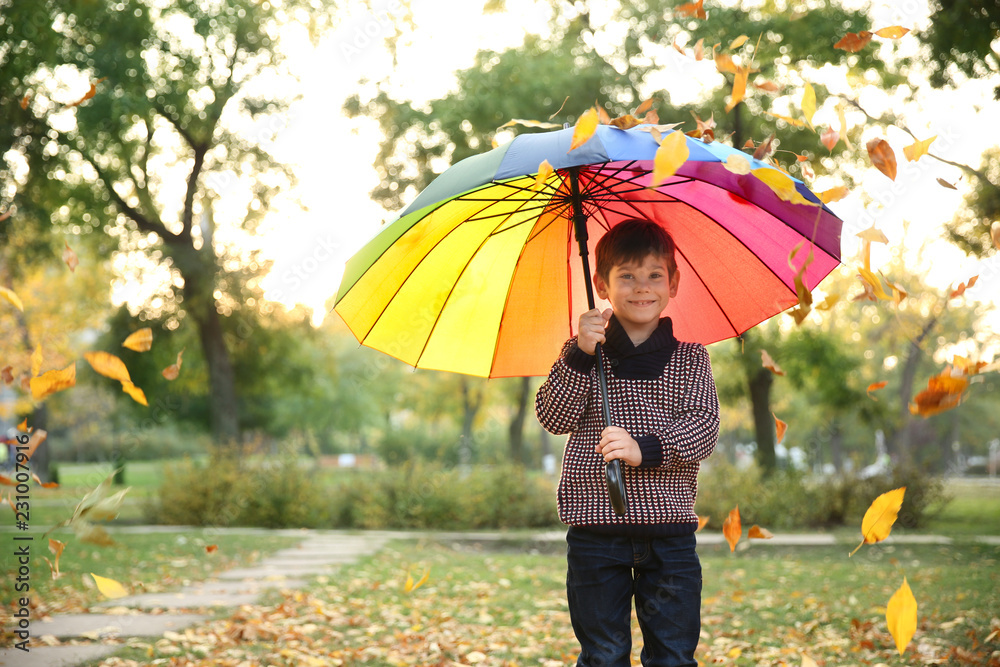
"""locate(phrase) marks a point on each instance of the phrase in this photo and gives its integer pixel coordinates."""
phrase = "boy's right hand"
(591, 329)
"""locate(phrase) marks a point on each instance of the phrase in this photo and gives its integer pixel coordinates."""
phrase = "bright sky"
(334, 154)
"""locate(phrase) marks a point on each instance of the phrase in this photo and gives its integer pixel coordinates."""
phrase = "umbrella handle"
(613, 470)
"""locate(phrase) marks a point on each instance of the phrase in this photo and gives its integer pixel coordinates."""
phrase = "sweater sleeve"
(691, 436)
(562, 398)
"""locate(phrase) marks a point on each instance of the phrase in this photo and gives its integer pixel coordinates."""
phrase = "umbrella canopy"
(481, 274)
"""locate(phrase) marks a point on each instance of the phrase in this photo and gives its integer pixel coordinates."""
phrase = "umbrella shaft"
(613, 472)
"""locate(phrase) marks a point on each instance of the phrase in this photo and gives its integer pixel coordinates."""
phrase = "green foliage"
(283, 493)
(790, 500)
(960, 35)
(139, 443)
(433, 497)
(227, 491)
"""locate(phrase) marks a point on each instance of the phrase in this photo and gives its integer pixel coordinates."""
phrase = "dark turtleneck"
(645, 361)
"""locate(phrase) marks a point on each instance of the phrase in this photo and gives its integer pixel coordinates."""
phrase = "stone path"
(130, 617)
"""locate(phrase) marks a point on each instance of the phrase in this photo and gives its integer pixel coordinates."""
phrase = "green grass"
(763, 605)
(974, 509)
(149, 562)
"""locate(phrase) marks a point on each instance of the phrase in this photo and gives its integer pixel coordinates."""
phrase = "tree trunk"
(837, 447)
(198, 270)
(471, 402)
(517, 422)
(221, 379)
(760, 382)
(900, 446)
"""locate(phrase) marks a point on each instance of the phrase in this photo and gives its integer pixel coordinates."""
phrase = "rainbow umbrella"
(479, 275)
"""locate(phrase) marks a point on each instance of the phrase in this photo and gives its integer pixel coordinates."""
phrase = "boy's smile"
(639, 292)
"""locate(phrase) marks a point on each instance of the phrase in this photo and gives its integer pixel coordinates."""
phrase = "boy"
(665, 415)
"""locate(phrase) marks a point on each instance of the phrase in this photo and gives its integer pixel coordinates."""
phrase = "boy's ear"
(675, 281)
(600, 286)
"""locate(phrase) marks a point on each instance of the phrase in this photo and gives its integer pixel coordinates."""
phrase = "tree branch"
(981, 175)
(144, 222)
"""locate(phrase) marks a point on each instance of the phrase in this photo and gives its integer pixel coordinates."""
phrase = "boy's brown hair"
(632, 241)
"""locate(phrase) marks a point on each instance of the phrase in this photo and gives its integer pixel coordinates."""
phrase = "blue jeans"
(664, 576)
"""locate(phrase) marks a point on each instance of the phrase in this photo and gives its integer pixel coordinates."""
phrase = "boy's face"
(638, 292)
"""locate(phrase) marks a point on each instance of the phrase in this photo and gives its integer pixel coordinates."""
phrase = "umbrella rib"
(444, 304)
(630, 203)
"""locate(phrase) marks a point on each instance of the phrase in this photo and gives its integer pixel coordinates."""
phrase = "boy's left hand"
(616, 443)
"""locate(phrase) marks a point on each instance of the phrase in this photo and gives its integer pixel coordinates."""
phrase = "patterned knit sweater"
(663, 394)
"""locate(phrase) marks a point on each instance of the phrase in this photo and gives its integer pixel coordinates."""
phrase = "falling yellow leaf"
(801, 289)
(643, 107)
(882, 156)
(724, 63)
(56, 547)
(854, 41)
(829, 302)
(738, 42)
(768, 363)
(901, 616)
(779, 428)
(410, 586)
(108, 365)
(960, 290)
(137, 394)
(702, 522)
(173, 370)
(737, 164)
(12, 298)
(808, 103)
(758, 533)
(765, 85)
(869, 236)
(782, 185)
(877, 522)
(892, 32)
(44, 485)
(691, 10)
(944, 392)
(140, 340)
(70, 258)
(109, 588)
(808, 662)
(531, 123)
(873, 282)
(833, 194)
(544, 171)
(995, 234)
(829, 138)
(842, 116)
(37, 437)
(875, 386)
(917, 149)
(211, 548)
(49, 383)
(739, 88)
(671, 154)
(584, 129)
(732, 528)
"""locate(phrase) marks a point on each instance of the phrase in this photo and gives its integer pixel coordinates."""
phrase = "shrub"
(227, 491)
(412, 496)
(793, 500)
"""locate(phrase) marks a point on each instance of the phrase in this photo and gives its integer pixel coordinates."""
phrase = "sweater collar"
(619, 342)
